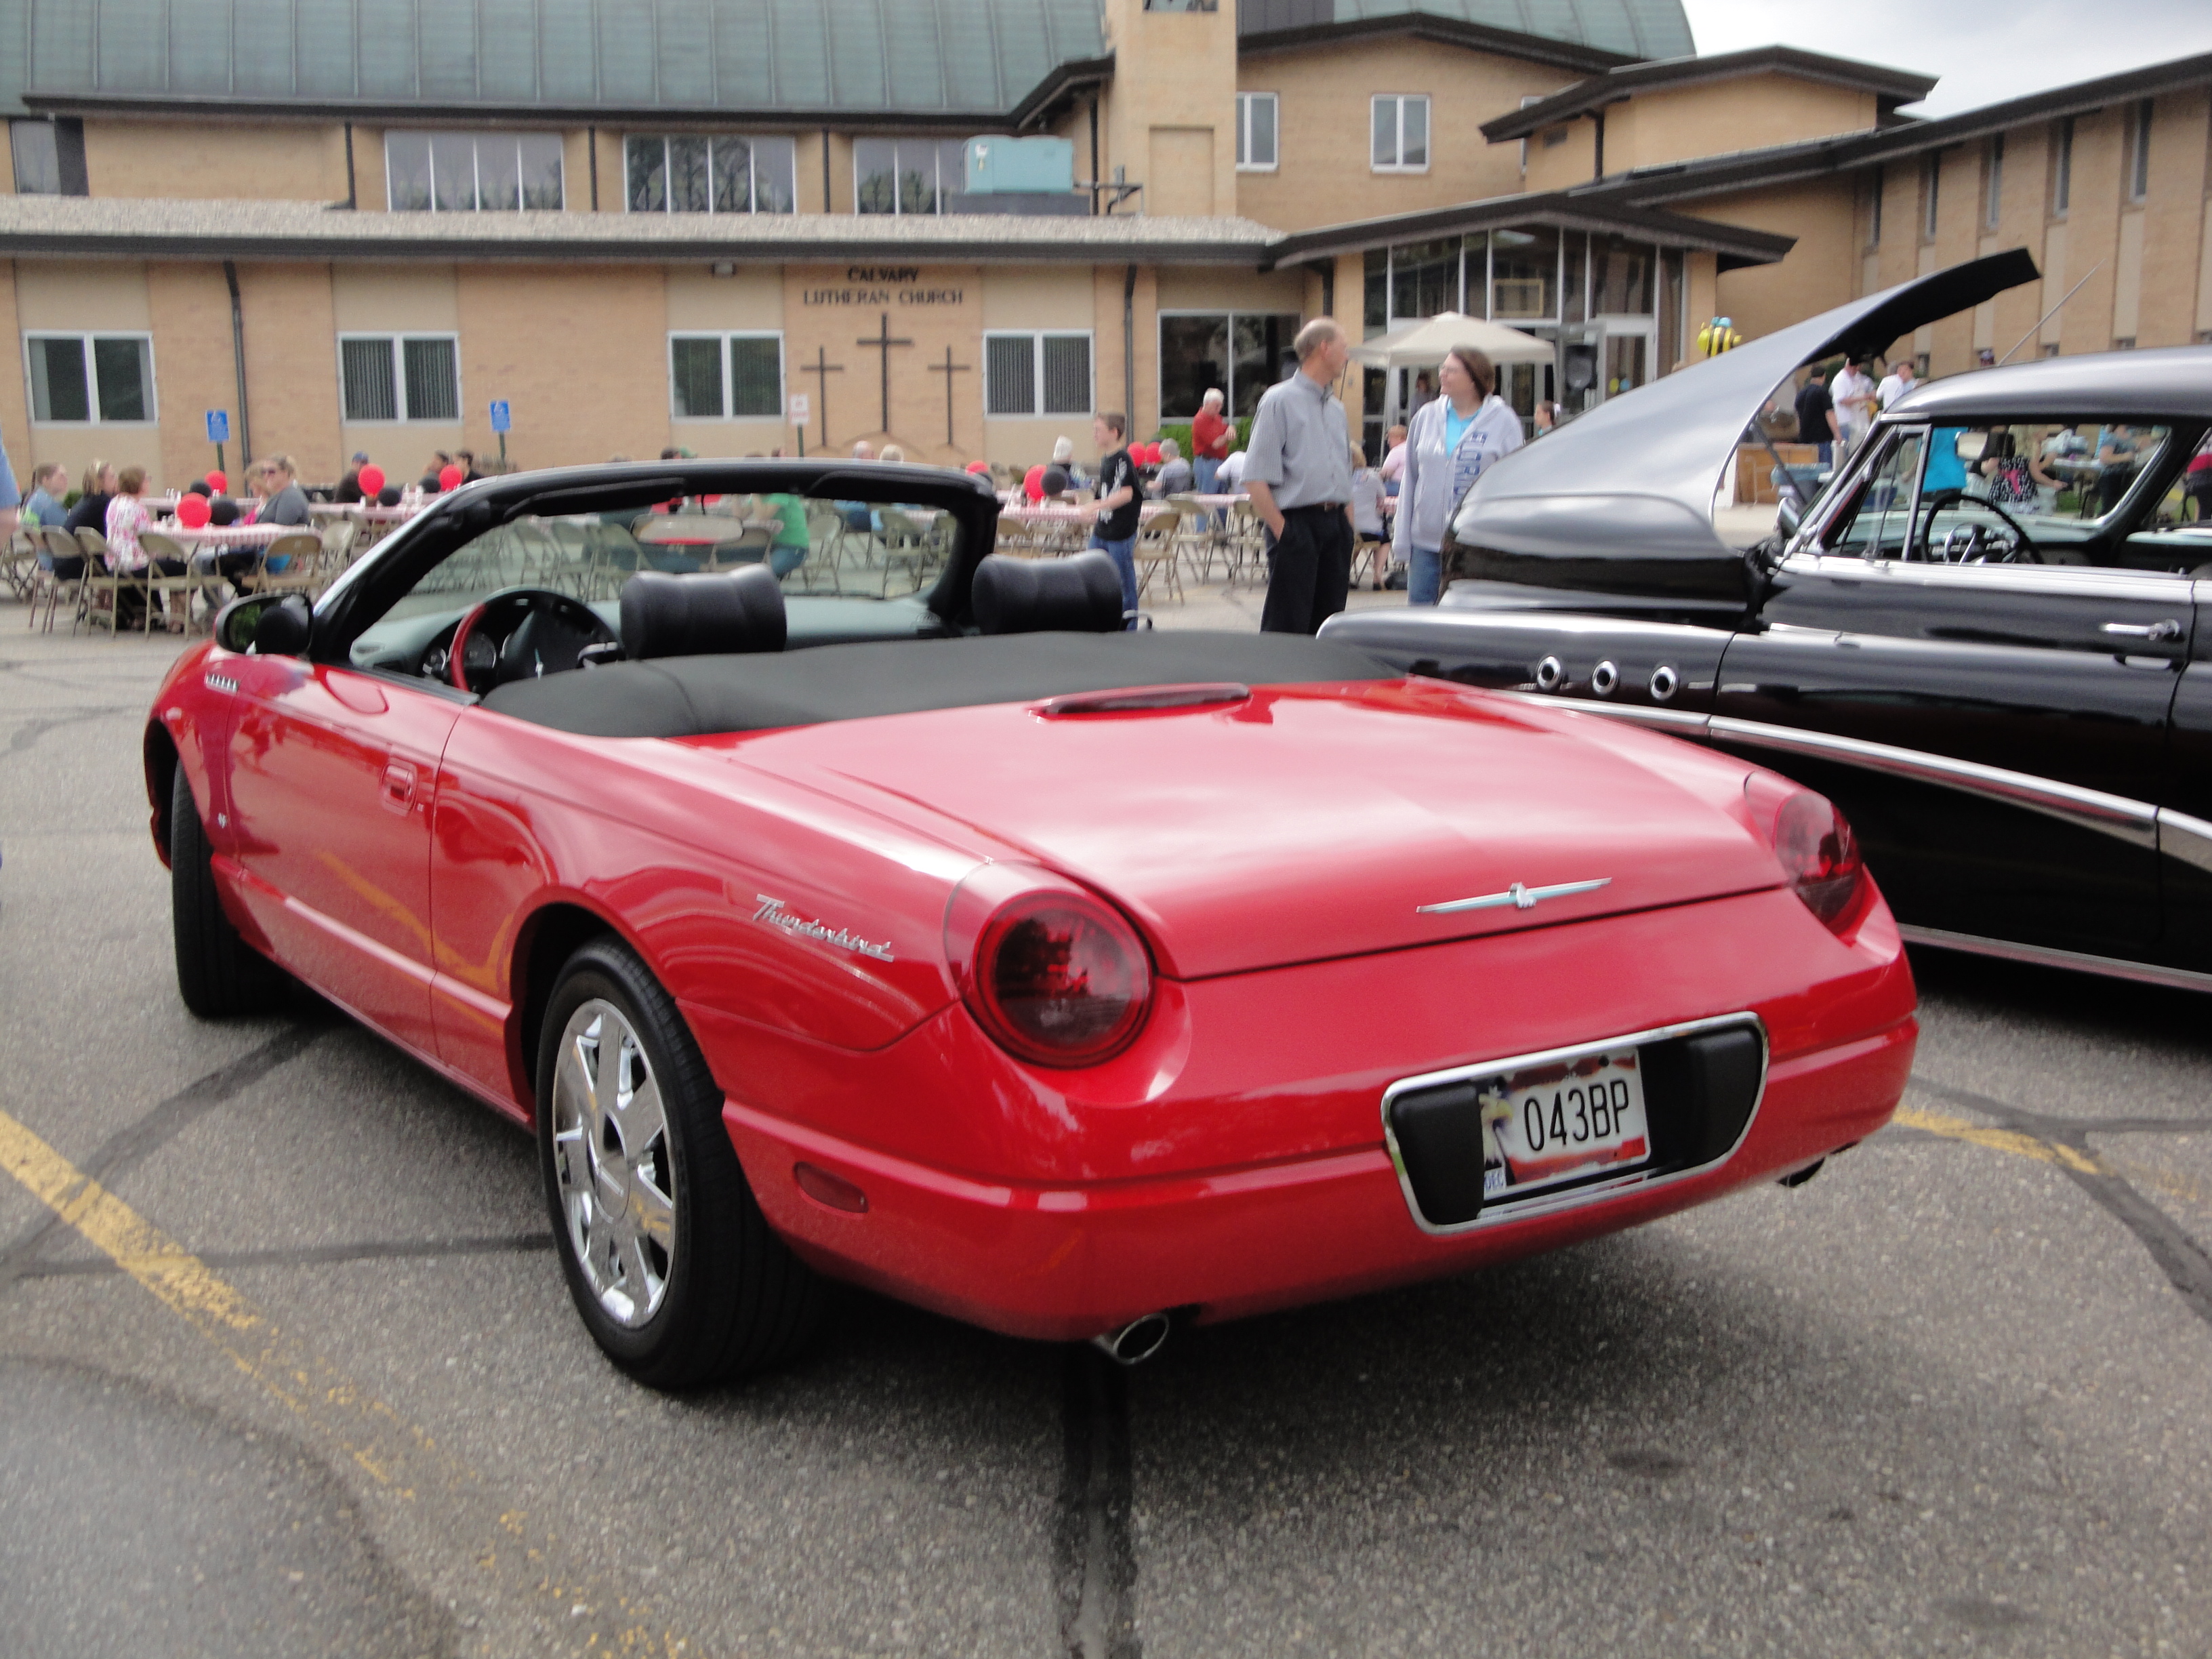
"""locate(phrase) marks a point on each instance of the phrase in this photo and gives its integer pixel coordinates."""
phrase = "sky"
(1985, 53)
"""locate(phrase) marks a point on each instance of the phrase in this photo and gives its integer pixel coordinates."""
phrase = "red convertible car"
(838, 901)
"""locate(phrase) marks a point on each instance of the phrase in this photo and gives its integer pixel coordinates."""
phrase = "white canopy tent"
(1422, 344)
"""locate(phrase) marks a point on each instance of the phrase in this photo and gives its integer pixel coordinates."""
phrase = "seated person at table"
(2116, 450)
(43, 506)
(1175, 476)
(788, 550)
(98, 489)
(348, 490)
(126, 517)
(288, 502)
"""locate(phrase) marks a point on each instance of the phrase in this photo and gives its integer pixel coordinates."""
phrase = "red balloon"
(217, 483)
(371, 480)
(1151, 454)
(1033, 484)
(192, 511)
(450, 476)
(980, 469)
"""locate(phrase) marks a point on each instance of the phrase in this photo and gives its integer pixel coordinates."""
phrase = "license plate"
(1562, 1122)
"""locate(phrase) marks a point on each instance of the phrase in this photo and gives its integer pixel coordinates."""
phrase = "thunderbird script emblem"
(777, 913)
(1516, 896)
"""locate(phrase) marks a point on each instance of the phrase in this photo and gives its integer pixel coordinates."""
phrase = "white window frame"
(723, 337)
(405, 416)
(1429, 126)
(898, 211)
(1245, 102)
(1037, 338)
(476, 168)
(753, 169)
(2137, 183)
(85, 338)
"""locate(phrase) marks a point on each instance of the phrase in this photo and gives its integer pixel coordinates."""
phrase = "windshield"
(2065, 484)
(882, 553)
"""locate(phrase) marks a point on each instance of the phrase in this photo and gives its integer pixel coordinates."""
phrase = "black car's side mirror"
(268, 624)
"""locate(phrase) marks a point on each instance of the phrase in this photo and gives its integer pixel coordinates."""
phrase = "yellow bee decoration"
(1718, 336)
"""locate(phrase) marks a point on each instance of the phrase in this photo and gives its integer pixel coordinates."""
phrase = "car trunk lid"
(1297, 823)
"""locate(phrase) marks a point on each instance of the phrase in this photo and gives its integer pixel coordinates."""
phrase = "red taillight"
(1815, 844)
(1059, 978)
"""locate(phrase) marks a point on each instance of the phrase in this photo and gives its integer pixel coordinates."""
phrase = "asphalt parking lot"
(288, 1367)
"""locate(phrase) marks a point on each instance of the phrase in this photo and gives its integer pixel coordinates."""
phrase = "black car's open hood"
(1620, 500)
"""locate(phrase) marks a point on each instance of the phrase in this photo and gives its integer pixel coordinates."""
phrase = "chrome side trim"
(1684, 720)
(1574, 1198)
(2139, 823)
(2181, 836)
(2044, 956)
(2131, 821)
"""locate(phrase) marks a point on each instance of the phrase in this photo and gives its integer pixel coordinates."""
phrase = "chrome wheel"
(611, 1164)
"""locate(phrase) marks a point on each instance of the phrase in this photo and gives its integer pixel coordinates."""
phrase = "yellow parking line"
(2003, 1140)
(397, 1456)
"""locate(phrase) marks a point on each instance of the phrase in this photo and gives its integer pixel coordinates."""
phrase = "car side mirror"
(268, 624)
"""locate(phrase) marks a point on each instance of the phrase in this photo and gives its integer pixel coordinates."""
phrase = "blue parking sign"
(218, 421)
(501, 420)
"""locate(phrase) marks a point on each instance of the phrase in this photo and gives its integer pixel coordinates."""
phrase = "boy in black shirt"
(1119, 505)
(1816, 419)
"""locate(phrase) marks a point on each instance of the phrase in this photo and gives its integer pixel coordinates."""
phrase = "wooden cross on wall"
(821, 368)
(948, 368)
(882, 342)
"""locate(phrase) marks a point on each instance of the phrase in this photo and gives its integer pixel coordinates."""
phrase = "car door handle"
(398, 786)
(2168, 629)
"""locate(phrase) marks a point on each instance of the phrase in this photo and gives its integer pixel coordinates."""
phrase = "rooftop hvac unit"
(1011, 167)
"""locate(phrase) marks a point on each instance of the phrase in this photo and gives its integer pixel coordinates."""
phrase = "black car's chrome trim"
(2131, 821)
(1688, 722)
(2041, 580)
(1575, 1197)
(2137, 822)
(2181, 836)
(2044, 956)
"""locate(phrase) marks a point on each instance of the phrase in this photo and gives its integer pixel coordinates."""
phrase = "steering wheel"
(518, 634)
(1976, 551)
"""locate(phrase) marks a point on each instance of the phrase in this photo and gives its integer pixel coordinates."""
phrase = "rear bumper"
(1067, 1261)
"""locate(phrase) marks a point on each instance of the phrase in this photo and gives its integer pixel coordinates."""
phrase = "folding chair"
(58, 544)
(175, 590)
(18, 564)
(1157, 555)
(302, 553)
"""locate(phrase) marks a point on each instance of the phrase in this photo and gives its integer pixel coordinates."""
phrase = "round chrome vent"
(1551, 674)
(1603, 679)
(1665, 683)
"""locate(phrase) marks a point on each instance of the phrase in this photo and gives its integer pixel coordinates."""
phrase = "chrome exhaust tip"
(1136, 1342)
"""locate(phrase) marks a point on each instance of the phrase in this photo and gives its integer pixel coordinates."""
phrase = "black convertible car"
(1988, 639)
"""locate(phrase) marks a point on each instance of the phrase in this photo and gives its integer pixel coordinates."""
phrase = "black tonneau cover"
(695, 696)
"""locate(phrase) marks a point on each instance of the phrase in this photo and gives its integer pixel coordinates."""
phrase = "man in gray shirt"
(1298, 471)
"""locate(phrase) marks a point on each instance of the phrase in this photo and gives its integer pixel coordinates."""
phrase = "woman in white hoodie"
(1452, 440)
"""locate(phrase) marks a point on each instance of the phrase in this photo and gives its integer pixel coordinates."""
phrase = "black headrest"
(223, 510)
(1077, 595)
(665, 616)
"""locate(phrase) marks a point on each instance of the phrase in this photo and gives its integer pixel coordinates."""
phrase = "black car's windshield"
(1927, 492)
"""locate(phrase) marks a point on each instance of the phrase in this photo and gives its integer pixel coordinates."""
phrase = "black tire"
(219, 975)
(735, 1300)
